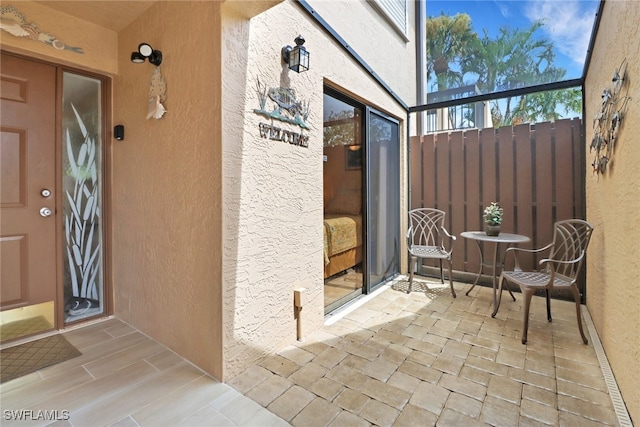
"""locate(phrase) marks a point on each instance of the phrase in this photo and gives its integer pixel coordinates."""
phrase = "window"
(395, 11)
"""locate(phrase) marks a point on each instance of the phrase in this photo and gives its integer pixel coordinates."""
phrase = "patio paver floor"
(426, 358)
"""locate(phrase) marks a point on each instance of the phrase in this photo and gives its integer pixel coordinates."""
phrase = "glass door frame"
(367, 286)
(105, 209)
(341, 97)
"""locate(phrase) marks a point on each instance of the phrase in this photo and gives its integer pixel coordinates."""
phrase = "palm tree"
(543, 106)
(515, 59)
(448, 41)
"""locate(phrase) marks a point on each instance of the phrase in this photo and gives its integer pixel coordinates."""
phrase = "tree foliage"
(513, 59)
(340, 128)
(448, 41)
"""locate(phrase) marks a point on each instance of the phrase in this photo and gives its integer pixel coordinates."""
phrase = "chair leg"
(441, 274)
(413, 262)
(548, 305)
(453, 292)
(527, 294)
(509, 289)
(576, 296)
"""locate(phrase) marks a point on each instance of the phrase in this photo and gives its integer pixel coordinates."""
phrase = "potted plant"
(492, 217)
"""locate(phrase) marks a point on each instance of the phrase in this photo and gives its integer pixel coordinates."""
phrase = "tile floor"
(418, 360)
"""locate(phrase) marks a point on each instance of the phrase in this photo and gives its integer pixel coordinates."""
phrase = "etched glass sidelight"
(82, 196)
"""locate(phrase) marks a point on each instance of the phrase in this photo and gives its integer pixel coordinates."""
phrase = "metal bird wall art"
(609, 119)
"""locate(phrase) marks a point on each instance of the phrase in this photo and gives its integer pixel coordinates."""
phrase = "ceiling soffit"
(113, 15)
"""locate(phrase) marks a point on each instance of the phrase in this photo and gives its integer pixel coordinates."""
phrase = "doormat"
(26, 358)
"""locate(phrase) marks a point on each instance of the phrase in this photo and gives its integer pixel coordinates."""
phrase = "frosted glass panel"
(82, 196)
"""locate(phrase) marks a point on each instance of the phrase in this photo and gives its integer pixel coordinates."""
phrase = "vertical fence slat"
(442, 176)
(416, 173)
(524, 188)
(472, 195)
(457, 195)
(564, 164)
(543, 184)
(429, 176)
(506, 178)
(579, 160)
(489, 178)
(506, 181)
(442, 171)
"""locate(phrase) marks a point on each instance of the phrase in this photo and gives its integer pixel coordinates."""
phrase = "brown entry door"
(28, 185)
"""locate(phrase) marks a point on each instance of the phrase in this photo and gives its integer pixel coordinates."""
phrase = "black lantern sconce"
(146, 51)
(297, 58)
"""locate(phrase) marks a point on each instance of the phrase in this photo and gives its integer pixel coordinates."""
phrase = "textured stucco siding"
(99, 44)
(166, 186)
(272, 191)
(613, 205)
(368, 33)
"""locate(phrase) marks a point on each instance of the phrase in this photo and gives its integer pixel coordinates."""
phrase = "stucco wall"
(272, 191)
(166, 188)
(369, 34)
(99, 44)
(613, 205)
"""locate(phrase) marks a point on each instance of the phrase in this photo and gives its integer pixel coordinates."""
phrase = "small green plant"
(492, 214)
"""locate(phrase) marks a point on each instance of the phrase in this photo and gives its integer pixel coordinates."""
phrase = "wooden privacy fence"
(535, 172)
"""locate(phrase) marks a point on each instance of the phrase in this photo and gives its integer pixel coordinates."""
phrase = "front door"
(28, 188)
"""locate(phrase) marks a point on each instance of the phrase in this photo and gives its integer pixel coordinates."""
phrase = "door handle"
(45, 212)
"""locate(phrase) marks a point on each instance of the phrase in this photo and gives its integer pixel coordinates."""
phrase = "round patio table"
(481, 236)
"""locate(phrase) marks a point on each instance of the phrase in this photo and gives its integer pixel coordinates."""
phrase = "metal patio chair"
(559, 271)
(425, 239)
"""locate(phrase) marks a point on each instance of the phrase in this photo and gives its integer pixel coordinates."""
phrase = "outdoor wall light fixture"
(297, 58)
(146, 51)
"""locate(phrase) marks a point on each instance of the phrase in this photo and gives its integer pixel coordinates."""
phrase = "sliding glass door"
(361, 186)
(382, 198)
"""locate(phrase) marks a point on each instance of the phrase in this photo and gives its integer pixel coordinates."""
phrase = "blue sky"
(568, 24)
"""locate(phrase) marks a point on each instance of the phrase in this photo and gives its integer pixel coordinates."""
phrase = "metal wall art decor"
(608, 120)
(14, 23)
(285, 108)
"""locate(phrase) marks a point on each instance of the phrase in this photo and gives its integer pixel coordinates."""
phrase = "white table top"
(500, 238)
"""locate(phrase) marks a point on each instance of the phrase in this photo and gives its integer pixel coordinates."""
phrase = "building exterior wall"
(99, 44)
(213, 226)
(272, 191)
(166, 189)
(613, 204)
(166, 212)
(366, 30)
